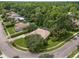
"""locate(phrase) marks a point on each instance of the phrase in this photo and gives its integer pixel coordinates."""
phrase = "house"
(14, 16)
(43, 33)
(21, 26)
(17, 19)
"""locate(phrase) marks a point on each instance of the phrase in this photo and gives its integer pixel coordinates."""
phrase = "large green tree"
(35, 43)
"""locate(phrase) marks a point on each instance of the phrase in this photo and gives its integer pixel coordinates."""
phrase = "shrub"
(8, 24)
(19, 33)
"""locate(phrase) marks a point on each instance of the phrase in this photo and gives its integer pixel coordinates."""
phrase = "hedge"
(8, 24)
(19, 33)
(23, 32)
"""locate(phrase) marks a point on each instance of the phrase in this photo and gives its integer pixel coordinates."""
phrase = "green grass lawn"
(21, 42)
(11, 29)
(53, 43)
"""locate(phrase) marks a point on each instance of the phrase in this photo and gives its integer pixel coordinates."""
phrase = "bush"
(19, 33)
(8, 24)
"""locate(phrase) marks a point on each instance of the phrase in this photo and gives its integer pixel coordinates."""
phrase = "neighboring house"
(14, 16)
(42, 32)
(21, 26)
(17, 19)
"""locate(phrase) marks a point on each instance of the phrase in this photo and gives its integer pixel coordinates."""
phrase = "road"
(10, 52)
(66, 49)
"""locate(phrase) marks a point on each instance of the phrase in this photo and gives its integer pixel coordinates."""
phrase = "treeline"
(51, 15)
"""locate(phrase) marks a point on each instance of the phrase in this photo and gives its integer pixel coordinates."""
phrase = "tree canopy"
(35, 43)
(52, 15)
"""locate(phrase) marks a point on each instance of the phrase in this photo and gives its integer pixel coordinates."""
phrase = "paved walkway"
(16, 38)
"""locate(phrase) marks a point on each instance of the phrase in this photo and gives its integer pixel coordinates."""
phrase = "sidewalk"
(18, 37)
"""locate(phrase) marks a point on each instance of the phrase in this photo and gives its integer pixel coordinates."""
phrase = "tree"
(35, 43)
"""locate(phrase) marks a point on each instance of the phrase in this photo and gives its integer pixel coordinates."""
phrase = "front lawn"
(21, 42)
(53, 43)
(11, 29)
